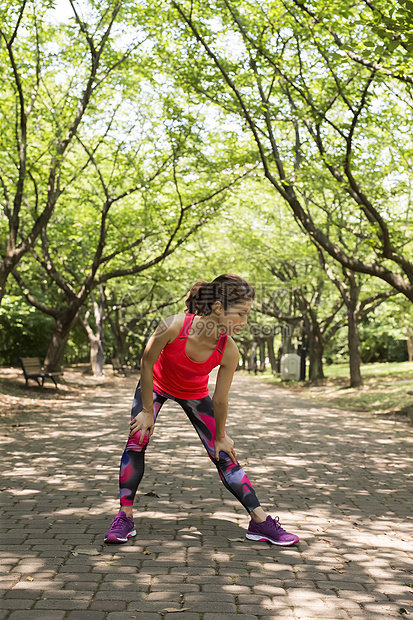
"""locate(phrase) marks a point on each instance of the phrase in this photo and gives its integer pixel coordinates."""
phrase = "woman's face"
(235, 318)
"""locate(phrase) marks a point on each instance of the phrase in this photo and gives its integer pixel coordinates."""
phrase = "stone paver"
(342, 481)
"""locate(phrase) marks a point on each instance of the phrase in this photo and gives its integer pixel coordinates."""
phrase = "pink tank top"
(176, 374)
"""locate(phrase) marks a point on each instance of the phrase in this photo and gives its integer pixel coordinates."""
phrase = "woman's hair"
(229, 289)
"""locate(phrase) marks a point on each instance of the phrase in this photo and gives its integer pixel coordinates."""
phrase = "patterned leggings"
(201, 414)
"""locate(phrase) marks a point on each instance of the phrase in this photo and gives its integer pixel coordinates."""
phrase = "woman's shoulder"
(172, 325)
(231, 350)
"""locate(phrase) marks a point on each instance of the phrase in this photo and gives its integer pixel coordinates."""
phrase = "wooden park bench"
(34, 369)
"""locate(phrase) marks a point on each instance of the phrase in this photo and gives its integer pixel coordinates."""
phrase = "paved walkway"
(342, 482)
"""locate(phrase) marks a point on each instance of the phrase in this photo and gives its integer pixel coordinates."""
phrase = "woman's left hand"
(225, 445)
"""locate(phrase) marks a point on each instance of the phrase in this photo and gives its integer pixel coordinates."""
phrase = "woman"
(176, 364)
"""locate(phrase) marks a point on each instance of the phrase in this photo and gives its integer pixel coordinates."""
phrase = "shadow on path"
(342, 481)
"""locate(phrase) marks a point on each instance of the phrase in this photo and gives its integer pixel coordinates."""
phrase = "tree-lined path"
(341, 481)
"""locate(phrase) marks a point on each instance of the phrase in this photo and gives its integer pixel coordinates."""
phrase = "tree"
(290, 277)
(24, 331)
(310, 104)
(134, 181)
(358, 309)
(74, 279)
(293, 293)
(385, 334)
(387, 27)
(134, 312)
(95, 336)
(56, 79)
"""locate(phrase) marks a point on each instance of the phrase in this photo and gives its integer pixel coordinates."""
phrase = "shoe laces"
(277, 525)
(119, 519)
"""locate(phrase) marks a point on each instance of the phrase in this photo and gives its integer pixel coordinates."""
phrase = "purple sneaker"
(121, 529)
(272, 532)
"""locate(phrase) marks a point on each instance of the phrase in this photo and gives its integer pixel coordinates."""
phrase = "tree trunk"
(119, 332)
(57, 346)
(410, 343)
(96, 356)
(6, 267)
(279, 356)
(303, 357)
(353, 346)
(356, 379)
(316, 349)
(96, 339)
(287, 340)
(94, 349)
(244, 348)
(119, 349)
(252, 358)
(271, 353)
(99, 317)
(262, 355)
(353, 337)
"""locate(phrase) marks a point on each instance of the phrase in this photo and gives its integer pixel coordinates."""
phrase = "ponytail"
(228, 288)
(198, 300)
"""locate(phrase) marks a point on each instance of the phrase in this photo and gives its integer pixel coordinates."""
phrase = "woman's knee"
(135, 444)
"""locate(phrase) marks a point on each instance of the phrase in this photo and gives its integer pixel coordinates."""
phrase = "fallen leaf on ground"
(172, 610)
(151, 494)
(86, 552)
(29, 578)
(236, 539)
(146, 553)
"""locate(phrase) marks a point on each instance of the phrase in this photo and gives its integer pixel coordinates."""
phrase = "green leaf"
(392, 45)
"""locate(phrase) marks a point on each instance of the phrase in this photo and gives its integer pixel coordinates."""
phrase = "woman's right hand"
(225, 444)
(143, 422)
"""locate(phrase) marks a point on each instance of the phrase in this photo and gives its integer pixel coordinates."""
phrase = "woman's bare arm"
(220, 399)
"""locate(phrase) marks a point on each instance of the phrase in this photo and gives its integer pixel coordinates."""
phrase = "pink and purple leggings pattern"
(201, 415)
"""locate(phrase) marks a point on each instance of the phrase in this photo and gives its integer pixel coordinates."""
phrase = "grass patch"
(385, 389)
(385, 368)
